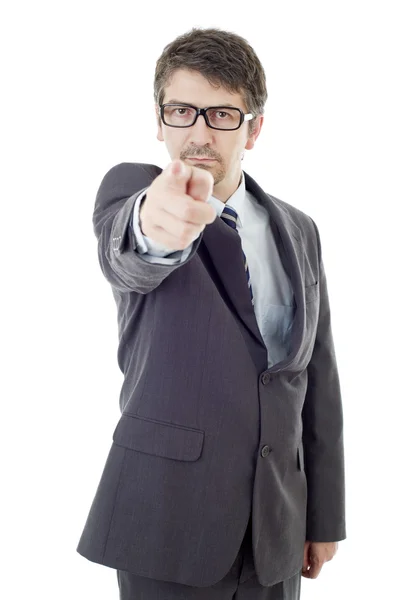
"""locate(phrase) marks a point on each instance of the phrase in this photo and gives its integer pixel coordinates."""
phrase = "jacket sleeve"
(124, 267)
(323, 431)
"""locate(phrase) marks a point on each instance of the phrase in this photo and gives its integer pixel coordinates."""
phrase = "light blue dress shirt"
(272, 289)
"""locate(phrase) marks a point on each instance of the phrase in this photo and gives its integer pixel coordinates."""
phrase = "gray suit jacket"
(207, 432)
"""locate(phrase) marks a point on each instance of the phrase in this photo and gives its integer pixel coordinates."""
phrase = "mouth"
(205, 160)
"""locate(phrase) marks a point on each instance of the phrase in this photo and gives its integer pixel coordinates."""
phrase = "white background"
(76, 100)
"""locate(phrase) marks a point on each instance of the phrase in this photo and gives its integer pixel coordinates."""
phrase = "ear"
(160, 136)
(252, 139)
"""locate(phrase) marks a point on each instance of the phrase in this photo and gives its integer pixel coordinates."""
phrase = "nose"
(200, 133)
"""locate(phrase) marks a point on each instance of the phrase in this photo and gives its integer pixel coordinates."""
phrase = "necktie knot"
(230, 217)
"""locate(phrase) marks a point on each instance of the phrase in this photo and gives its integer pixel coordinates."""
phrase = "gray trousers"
(240, 583)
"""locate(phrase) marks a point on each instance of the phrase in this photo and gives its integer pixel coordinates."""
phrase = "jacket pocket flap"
(158, 438)
(300, 457)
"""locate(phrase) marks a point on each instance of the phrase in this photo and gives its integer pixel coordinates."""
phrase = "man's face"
(225, 148)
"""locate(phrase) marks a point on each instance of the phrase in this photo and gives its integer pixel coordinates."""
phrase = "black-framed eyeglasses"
(216, 117)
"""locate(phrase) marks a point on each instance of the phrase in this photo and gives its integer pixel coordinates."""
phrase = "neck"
(229, 188)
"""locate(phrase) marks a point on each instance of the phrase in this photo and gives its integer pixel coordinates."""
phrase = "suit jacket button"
(265, 378)
(265, 451)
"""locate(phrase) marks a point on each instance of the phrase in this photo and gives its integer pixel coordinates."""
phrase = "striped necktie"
(229, 215)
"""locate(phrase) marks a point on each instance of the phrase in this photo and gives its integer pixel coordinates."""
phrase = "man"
(225, 477)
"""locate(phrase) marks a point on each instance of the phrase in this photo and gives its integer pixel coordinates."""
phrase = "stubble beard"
(218, 174)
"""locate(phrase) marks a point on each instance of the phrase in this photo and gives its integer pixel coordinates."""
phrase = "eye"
(221, 115)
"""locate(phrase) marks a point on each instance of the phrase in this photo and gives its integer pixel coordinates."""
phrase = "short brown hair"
(223, 58)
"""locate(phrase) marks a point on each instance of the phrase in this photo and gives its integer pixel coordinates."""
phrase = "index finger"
(200, 185)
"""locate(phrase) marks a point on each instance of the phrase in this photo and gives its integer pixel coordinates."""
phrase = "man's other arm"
(323, 430)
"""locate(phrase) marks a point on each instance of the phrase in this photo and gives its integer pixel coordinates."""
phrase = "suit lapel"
(221, 251)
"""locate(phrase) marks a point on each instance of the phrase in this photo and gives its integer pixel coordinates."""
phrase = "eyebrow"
(175, 101)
